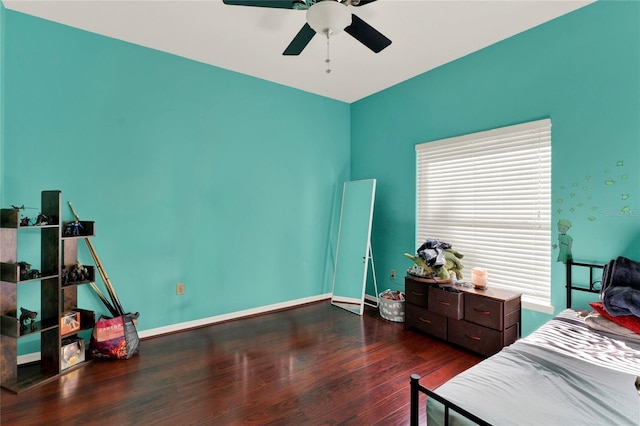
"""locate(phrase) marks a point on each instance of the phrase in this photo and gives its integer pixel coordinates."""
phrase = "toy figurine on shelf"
(26, 221)
(33, 274)
(26, 273)
(42, 220)
(27, 316)
(78, 273)
(24, 270)
(73, 228)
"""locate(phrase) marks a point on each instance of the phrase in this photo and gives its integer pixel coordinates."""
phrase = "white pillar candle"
(479, 277)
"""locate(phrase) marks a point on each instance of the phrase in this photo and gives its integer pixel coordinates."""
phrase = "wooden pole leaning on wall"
(104, 299)
(105, 278)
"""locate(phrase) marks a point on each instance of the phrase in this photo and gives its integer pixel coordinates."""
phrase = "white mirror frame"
(353, 251)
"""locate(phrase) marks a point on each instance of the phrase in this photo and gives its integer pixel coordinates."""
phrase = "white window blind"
(489, 195)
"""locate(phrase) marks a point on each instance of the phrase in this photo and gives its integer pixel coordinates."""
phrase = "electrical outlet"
(393, 274)
(180, 288)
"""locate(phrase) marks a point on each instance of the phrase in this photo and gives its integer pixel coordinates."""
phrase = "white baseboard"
(174, 328)
(27, 358)
(230, 316)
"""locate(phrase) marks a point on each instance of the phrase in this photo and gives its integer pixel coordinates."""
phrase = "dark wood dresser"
(483, 321)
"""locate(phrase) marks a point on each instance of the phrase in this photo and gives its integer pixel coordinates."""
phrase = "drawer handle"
(417, 294)
(426, 321)
(482, 312)
(473, 337)
(442, 302)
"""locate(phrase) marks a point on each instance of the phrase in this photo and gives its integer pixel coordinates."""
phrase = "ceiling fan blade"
(300, 41)
(367, 35)
(278, 4)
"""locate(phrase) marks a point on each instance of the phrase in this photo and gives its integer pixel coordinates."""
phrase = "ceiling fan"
(327, 17)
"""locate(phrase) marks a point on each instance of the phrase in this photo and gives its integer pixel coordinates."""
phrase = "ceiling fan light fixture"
(328, 17)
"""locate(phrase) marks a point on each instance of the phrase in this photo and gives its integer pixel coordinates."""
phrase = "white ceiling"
(425, 34)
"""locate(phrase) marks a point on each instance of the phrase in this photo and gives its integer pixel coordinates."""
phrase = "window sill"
(538, 307)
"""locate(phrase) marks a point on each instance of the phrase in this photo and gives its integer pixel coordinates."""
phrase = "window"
(489, 195)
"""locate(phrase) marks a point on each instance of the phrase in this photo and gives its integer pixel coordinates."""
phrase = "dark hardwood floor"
(312, 365)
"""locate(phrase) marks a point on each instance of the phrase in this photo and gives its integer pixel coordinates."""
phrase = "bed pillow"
(628, 321)
(595, 321)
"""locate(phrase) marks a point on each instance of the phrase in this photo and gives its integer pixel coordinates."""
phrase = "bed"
(570, 371)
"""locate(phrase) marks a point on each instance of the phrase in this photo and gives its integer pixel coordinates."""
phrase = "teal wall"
(583, 71)
(192, 173)
(199, 175)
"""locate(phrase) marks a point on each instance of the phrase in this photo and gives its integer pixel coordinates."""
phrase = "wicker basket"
(392, 310)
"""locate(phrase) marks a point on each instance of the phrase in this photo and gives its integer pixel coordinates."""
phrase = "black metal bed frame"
(593, 283)
(417, 388)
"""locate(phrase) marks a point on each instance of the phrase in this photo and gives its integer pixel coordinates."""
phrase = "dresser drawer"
(446, 303)
(477, 338)
(416, 292)
(424, 320)
(484, 311)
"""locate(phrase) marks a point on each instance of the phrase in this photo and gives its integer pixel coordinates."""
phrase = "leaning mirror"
(353, 250)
